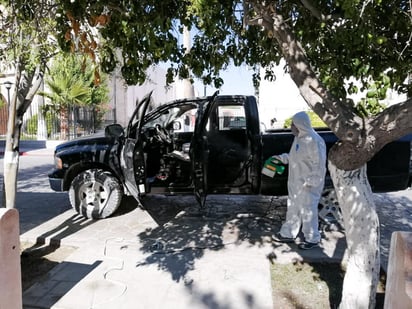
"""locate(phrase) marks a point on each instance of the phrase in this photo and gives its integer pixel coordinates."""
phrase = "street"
(35, 201)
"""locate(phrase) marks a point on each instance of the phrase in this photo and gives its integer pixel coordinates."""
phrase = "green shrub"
(31, 125)
(314, 119)
(51, 122)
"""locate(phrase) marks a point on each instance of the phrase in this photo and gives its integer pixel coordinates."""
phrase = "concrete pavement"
(189, 261)
(171, 255)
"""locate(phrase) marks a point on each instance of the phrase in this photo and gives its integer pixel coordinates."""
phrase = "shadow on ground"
(185, 232)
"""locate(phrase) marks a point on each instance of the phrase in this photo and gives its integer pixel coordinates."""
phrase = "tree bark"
(26, 85)
(362, 236)
(11, 158)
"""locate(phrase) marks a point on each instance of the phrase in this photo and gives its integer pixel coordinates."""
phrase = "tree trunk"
(362, 235)
(64, 123)
(11, 157)
(26, 84)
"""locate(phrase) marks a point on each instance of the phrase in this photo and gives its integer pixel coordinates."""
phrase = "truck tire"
(329, 211)
(95, 194)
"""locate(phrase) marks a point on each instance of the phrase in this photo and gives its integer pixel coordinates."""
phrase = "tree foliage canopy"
(26, 33)
(26, 44)
(367, 40)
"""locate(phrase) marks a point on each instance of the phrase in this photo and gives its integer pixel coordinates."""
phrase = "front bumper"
(56, 181)
(56, 184)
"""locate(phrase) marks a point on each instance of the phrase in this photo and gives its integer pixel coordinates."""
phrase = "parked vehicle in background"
(201, 146)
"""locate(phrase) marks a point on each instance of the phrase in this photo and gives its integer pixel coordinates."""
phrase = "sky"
(237, 80)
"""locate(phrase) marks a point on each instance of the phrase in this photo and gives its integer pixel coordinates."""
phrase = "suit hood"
(302, 122)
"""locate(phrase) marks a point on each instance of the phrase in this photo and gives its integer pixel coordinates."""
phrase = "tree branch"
(334, 113)
(315, 12)
(364, 5)
(393, 123)
(36, 78)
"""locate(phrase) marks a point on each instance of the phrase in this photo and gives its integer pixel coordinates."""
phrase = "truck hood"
(98, 138)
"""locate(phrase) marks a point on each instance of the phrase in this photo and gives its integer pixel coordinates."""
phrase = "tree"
(27, 42)
(324, 44)
(70, 83)
(23, 24)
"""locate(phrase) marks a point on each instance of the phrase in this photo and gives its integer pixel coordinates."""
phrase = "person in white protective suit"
(307, 169)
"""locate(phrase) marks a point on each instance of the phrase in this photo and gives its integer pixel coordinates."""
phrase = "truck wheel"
(95, 194)
(329, 211)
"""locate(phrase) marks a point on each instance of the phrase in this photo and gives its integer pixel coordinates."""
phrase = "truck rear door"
(227, 149)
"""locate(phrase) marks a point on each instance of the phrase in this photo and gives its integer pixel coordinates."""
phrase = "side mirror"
(114, 131)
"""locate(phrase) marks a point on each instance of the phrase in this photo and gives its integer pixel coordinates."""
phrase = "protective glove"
(307, 185)
(284, 158)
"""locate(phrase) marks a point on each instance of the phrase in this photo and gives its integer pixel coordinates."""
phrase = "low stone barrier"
(10, 271)
(398, 292)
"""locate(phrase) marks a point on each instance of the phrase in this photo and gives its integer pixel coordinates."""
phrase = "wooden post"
(10, 271)
(398, 292)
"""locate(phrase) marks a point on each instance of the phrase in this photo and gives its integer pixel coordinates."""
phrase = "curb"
(33, 148)
(37, 152)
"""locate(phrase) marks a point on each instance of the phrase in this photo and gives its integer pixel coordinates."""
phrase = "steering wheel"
(162, 135)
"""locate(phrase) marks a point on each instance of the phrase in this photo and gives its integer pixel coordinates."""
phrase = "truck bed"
(389, 170)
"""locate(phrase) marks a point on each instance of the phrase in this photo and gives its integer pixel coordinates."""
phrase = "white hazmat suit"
(307, 169)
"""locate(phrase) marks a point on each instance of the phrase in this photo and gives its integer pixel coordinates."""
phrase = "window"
(231, 117)
(187, 121)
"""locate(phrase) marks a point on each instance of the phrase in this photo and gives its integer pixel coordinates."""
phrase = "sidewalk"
(172, 256)
(190, 261)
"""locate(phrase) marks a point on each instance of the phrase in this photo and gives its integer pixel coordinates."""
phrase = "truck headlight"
(58, 163)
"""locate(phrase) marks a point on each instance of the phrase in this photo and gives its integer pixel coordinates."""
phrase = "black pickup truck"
(207, 145)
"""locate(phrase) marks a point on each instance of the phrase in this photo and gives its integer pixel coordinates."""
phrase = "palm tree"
(70, 85)
(64, 92)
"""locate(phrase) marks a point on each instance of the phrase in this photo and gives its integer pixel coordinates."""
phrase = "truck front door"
(199, 150)
(132, 156)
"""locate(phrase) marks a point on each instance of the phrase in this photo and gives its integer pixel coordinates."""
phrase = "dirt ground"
(312, 285)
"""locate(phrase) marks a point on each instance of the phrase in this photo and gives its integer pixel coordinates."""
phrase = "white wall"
(123, 98)
(279, 99)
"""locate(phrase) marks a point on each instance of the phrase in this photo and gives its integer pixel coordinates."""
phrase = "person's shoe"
(308, 245)
(279, 238)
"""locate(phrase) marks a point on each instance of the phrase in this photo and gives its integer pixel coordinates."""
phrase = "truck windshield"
(179, 118)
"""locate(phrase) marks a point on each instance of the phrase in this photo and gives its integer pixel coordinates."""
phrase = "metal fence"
(51, 125)
(3, 119)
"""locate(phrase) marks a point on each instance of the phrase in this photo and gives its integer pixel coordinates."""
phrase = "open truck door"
(199, 150)
(132, 156)
(226, 150)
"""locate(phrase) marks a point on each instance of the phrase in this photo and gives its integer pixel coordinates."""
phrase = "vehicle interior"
(167, 140)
